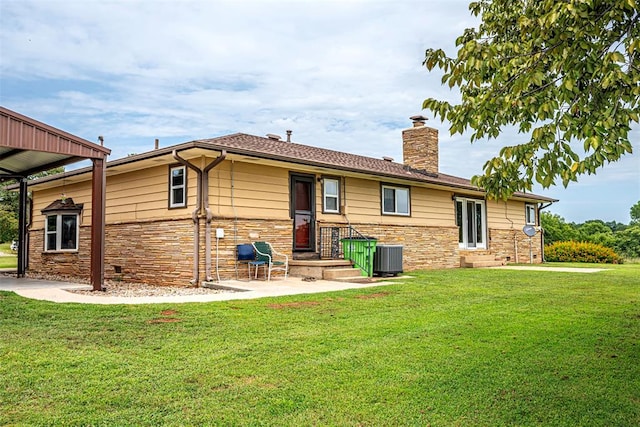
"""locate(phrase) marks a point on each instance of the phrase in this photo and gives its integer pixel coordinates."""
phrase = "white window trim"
(325, 196)
(172, 203)
(527, 208)
(395, 189)
(58, 232)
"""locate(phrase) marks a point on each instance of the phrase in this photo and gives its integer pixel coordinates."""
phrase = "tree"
(556, 229)
(628, 241)
(635, 213)
(564, 72)
(9, 206)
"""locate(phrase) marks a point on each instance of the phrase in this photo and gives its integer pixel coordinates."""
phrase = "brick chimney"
(420, 146)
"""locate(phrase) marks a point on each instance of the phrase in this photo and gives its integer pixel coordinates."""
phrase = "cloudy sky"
(343, 75)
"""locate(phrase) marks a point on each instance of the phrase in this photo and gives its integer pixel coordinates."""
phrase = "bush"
(628, 242)
(580, 252)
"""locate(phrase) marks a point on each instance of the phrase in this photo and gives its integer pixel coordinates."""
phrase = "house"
(175, 215)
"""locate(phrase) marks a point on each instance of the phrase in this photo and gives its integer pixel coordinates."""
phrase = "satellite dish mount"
(530, 231)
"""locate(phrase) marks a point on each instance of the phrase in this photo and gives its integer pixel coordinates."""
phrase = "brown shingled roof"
(289, 152)
(256, 146)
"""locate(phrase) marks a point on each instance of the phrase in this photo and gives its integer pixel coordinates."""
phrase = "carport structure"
(27, 147)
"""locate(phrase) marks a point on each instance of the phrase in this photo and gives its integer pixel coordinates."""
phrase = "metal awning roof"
(28, 146)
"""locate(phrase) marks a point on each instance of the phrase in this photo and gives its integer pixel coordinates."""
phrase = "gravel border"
(114, 288)
(121, 289)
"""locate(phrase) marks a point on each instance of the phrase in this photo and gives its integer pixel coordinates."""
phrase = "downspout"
(196, 218)
(515, 235)
(541, 207)
(344, 201)
(209, 213)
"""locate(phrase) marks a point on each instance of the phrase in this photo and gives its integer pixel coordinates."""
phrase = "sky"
(341, 74)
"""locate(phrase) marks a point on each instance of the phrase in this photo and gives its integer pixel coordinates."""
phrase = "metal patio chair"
(267, 255)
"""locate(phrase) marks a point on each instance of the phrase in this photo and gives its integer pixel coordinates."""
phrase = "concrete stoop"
(346, 274)
(480, 260)
(335, 270)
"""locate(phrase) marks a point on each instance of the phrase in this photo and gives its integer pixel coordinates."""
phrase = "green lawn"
(10, 260)
(458, 347)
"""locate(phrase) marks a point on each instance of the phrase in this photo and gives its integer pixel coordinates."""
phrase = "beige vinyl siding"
(362, 201)
(363, 204)
(262, 192)
(432, 207)
(259, 191)
(144, 194)
(80, 193)
(505, 215)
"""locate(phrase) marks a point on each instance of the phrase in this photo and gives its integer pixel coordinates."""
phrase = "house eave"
(321, 167)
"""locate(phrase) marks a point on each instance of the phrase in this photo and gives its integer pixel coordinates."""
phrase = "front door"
(472, 223)
(303, 212)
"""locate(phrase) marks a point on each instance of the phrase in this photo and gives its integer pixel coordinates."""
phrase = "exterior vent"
(387, 260)
(274, 137)
(387, 158)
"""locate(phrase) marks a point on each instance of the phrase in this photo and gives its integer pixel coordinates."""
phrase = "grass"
(455, 347)
(10, 260)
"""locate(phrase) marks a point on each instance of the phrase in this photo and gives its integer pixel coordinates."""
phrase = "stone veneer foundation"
(161, 252)
(503, 243)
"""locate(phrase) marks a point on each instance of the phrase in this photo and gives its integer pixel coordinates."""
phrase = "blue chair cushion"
(245, 252)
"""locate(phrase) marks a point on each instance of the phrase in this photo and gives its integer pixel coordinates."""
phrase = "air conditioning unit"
(387, 260)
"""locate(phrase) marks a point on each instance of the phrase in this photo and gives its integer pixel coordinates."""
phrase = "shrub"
(580, 252)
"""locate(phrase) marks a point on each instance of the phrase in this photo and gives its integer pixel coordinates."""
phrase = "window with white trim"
(61, 232)
(330, 195)
(530, 214)
(395, 200)
(177, 187)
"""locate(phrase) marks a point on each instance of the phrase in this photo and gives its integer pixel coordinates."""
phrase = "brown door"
(303, 212)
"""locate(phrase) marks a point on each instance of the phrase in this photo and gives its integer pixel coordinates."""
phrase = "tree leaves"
(565, 73)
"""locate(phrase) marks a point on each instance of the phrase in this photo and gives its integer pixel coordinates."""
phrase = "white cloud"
(344, 75)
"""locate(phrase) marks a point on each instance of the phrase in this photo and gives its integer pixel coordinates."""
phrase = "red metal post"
(98, 192)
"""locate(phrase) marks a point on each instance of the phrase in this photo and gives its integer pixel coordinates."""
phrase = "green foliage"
(596, 231)
(580, 252)
(9, 205)
(628, 241)
(564, 72)
(556, 229)
(8, 258)
(8, 224)
(635, 213)
(625, 240)
(460, 347)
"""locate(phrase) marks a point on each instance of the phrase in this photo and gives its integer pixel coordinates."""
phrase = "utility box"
(387, 260)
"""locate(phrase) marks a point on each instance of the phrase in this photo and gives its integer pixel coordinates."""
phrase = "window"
(395, 200)
(61, 232)
(530, 214)
(330, 195)
(177, 187)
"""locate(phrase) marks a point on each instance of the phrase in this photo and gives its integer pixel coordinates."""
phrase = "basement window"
(177, 187)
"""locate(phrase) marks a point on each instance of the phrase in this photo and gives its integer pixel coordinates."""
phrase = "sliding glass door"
(472, 223)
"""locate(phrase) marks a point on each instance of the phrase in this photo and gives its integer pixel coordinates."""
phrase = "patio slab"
(57, 291)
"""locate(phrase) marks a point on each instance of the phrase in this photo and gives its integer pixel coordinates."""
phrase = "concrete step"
(339, 273)
(481, 264)
(480, 260)
(314, 268)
